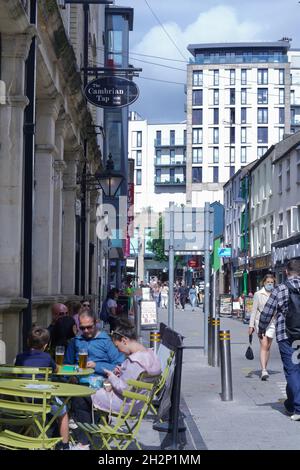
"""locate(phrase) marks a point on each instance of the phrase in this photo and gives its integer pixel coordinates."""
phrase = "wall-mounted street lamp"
(109, 180)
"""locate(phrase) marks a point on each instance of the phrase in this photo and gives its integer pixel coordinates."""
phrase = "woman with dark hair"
(259, 301)
(63, 330)
(139, 359)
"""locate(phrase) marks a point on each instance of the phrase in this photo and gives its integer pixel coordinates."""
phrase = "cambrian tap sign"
(111, 92)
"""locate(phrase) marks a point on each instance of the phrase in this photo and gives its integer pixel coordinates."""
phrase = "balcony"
(178, 164)
(167, 143)
(170, 182)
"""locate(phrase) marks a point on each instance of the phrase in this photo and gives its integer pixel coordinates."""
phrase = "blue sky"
(196, 21)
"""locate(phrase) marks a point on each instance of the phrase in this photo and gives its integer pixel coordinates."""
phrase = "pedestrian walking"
(164, 295)
(193, 296)
(281, 303)
(259, 301)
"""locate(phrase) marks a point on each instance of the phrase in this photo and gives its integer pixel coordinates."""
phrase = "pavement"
(254, 420)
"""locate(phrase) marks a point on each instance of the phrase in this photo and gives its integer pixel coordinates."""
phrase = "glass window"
(137, 141)
(172, 137)
(262, 135)
(243, 135)
(197, 97)
(262, 96)
(261, 151)
(216, 77)
(216, 115)
(158, 137)
(172, 175)
(281, 77)
(138, 158)
(232, 96)
(215, 174)
(288, 174)
(244, 96)
(215, 135)
(231, 171)
(244, 76)
(197, 174)
(216, 154)
(232, 115)
(158, 157)
(232, 77)
(232, 154)
(216, 97)
(243, 115)
(232, 135)
(298, 172)
(197, 117)
(280, 178)
(281, 95)
(243, 154)
(262, 76)
(197, 136)
(138, 180)
(197, 154)
(198, 78)
(184, 137)
(262, 115)
(172, 156)
(280, 133)
(281, 117)
(158, 175)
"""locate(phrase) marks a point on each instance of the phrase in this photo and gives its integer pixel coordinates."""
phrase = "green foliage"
(157, 244)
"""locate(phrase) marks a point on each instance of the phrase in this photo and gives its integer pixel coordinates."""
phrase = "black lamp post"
(109, 180)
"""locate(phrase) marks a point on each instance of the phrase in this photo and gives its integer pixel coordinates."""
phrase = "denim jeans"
(292, 375)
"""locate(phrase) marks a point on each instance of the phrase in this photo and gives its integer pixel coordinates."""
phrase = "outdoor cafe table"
(65, 391)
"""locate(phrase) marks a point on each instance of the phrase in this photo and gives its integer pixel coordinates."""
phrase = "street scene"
(150, 236)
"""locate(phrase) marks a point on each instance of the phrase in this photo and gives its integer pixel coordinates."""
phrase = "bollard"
(154, 340)
(209, 337)
(226, 373)
(215, 342)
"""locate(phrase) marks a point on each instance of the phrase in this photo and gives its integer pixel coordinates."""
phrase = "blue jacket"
(101, 350)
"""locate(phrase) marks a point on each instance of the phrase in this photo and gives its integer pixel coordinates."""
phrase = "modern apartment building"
(294, 59)
(238, 105)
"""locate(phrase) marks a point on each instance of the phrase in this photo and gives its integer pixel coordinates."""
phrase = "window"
(232, 77)
(262, 76)
(138, 160)
(197, 97)
(197, 136)
(138, 180)
(197, 117)
(172, 175)
(281, 115)
(215, 135)
(197, 155)
(298, 167)
(216, 115)
(292, 96)
(281, 77)
(244, 96)
(281, 95)
(184, 137)
(158, 175)
(261, 151)
(244, 76)
(216, 97)
(232, 96)
(243, 115)
(232, 115)
(172, 157)
(231, 171)
(158, 137)
(158, 157)
(197, 174)
(262, 115)
(232, 135)
(137, 138)
(198, 78)
(243, 154)
(288, 174)
(216, 77)
(172, 137)
(279, 178)
(216, 154)
(280, 226)
(262, 96)
(262, 135)
(280, 133)
(215, 174)
(232, 154)
(243, 135)
(272, 237)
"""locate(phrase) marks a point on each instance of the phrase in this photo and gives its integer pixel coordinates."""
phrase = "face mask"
(269, 287)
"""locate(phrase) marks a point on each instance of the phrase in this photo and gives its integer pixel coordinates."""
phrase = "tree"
(157, 242)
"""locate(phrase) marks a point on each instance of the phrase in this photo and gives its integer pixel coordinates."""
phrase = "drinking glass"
(59, 355)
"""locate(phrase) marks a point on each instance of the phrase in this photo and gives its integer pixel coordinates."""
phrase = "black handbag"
(249, 353)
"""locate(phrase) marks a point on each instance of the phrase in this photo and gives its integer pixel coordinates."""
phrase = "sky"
(186, 22)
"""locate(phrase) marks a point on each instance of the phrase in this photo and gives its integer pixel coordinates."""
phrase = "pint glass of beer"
(59, 355)
(83, 355)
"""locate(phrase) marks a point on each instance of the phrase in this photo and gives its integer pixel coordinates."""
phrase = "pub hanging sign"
(111, 92)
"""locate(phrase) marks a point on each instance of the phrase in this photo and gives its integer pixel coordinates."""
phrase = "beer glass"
(83, 355)
(59, 355)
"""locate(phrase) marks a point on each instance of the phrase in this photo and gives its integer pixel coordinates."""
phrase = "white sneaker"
(79, 446)
(264, 375)
(72, 424)
(295, 417)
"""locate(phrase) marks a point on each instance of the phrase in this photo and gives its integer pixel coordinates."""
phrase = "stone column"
(47, 112)
(69, 224)
(59, 167)
(93, 239)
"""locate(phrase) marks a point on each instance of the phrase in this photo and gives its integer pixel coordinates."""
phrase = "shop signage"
(193, 263)
(225, 304)
(263, 262)
(280, 254)
(148, 313)
(111, 92)
(224, 252)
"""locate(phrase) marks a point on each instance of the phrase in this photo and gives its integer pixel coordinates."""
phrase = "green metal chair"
(127, 423)
(30, 373)
(161, 383)
(32, 411)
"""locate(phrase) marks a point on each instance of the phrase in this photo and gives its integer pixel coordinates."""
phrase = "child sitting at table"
(36, 356)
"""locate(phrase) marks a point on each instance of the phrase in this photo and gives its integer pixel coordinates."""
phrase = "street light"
(109, 180)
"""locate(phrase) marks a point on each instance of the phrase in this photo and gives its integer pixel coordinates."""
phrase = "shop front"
(259, 267)
(282, 252)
